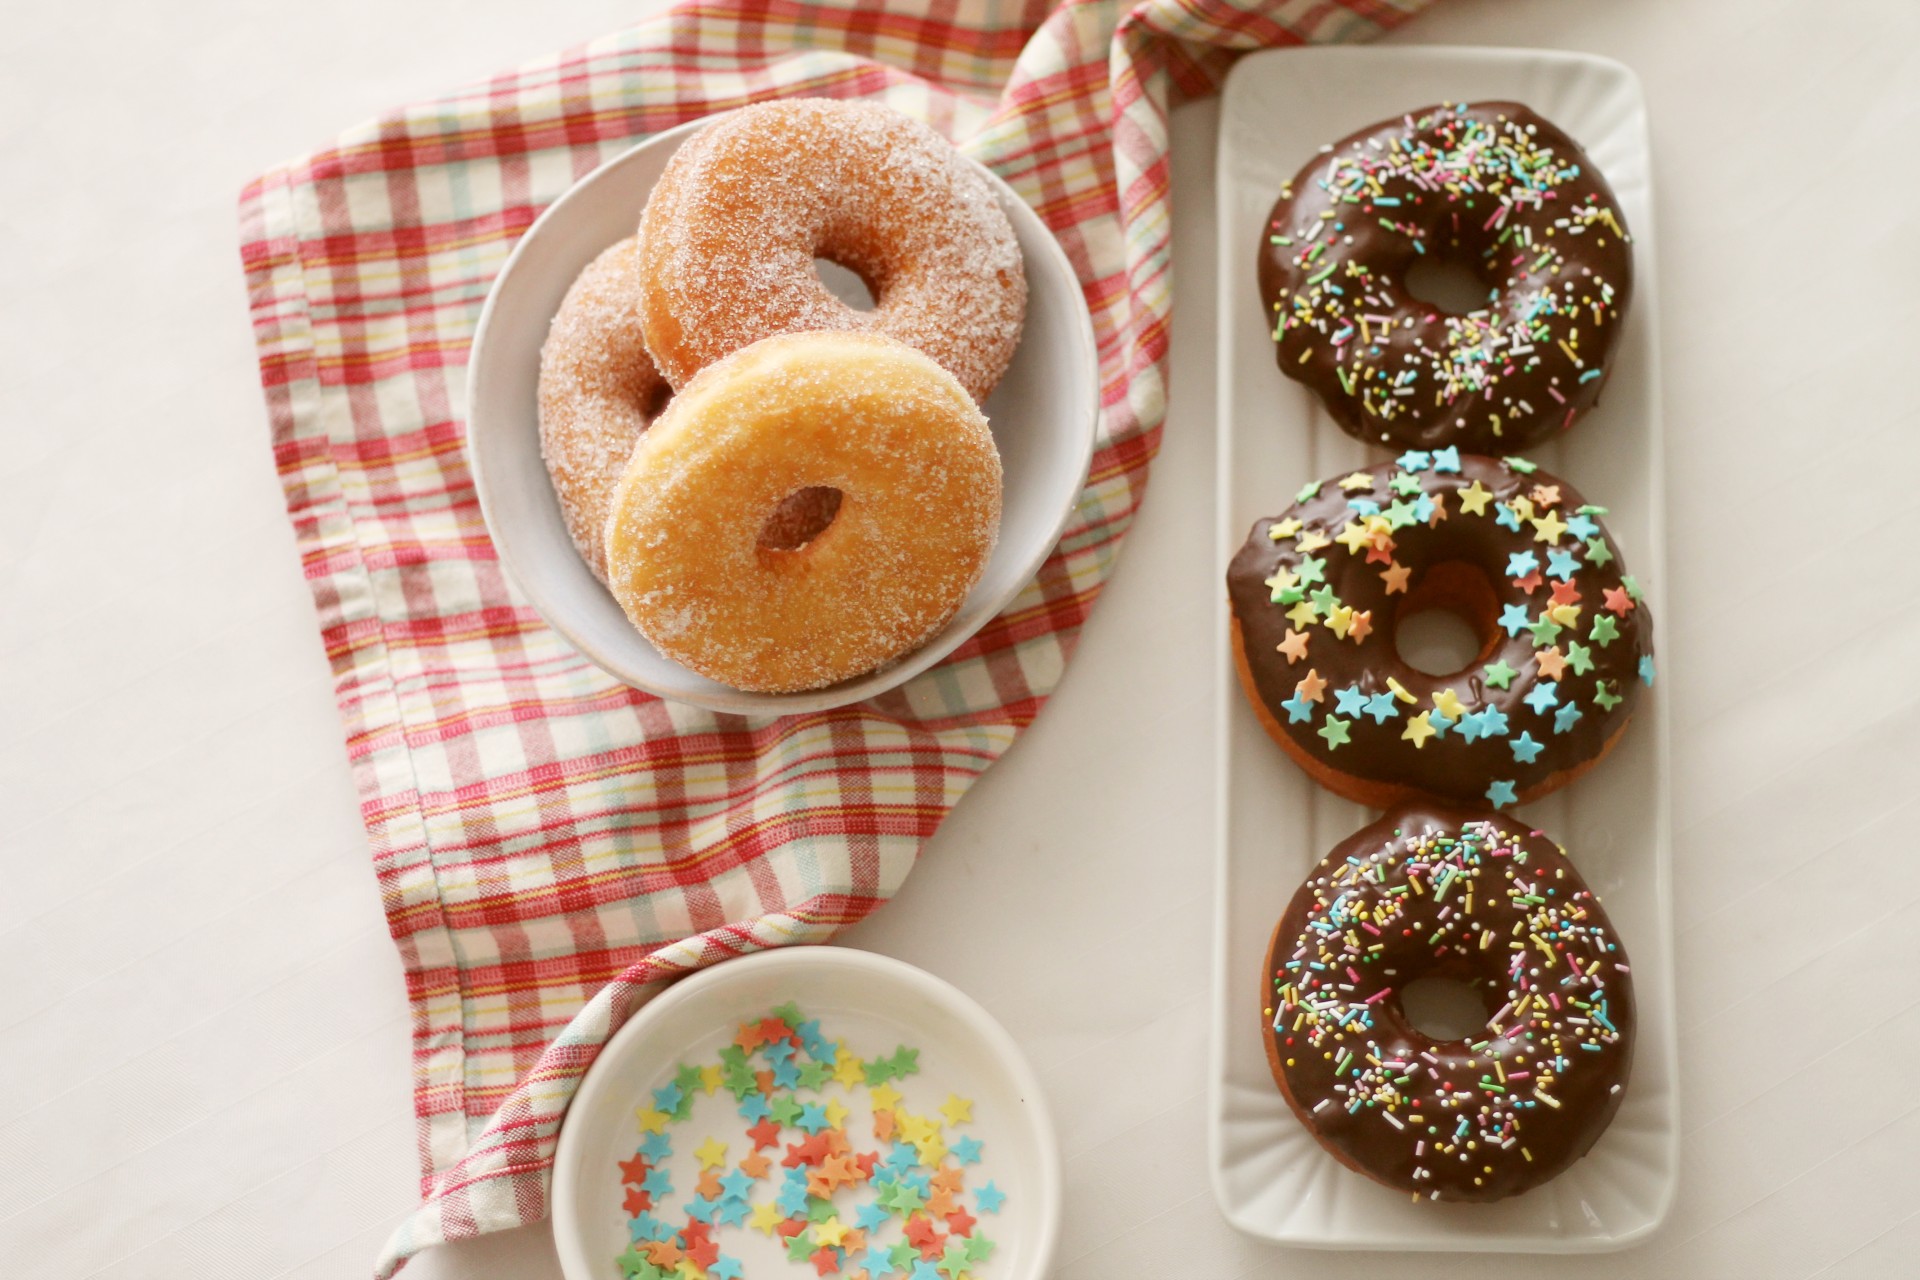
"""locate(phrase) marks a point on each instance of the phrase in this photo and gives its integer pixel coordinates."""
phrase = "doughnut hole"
(802, 516)
(1447, 624)
(1442, 1007)
(654, 401)
(844, 283)
(1448, 284)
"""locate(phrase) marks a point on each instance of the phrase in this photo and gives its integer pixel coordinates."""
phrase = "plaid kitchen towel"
(549, 843)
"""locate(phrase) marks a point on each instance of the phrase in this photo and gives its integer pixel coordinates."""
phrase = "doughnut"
(731, 231)
(1490, 187)
(1319, 592)
(694, 554)
(1483, 900)
(598, 392)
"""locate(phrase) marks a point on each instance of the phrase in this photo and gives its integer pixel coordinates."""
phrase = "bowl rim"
(551, 605)
(855, 964)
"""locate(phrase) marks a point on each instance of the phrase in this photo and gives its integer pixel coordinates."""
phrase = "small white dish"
(871, 1003)
(1272, 1179)
(1043, 416)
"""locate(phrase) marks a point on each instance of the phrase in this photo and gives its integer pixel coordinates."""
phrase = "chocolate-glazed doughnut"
(1481, 899)
(1490, 186)
(1319, 591)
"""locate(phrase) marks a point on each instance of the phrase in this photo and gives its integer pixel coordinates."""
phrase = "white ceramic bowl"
(1042, 414)
(872, 1004)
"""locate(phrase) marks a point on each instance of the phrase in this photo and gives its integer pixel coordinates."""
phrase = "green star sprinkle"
(1500, 675)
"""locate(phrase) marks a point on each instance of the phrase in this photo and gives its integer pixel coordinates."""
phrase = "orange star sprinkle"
(1361, 626)
(1311, 689)
(1552, 662)
(1395, 576)
(1294, 646)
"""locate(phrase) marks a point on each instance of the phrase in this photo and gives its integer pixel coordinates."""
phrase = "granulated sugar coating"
(732, 229)
(598, 391)
(894, 433)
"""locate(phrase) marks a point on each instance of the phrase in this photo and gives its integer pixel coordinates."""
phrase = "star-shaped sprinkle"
(1521, 465)
(884, 1098)
(966, 1150)
(1501, 794)
(1284, 529)
(1579, 658)
(1395, 576)
(1303, 614)
(1646, 671)
(1334, 731)
(725, 1268)
(634, 1170)
(1525, 749)
(1312, 540)
(711, 1153)
(1294, 646)
(1605, 630)
(1447, 459)
(1544, 695)
(1565, 718)
(989, 1198)
(1618, 601)
(1474, 499)
(653, 1121)
(1418, 730)
(1355, 538)
(1357, 482)
(1298, 709)
(1548, 528)
(1522, 563)
(1597, 551)
(1360, 626)
(1607, 700)
(1447, 703)
(1499, 675)
(956, 1109)
(1562, 564)
(1551, 662)
(1545, 629)
(1380, 706)
(848, 1070)
(1515, 619)
(1311, 687)
(1350, 701)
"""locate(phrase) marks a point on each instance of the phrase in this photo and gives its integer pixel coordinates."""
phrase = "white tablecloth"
(203, 1035)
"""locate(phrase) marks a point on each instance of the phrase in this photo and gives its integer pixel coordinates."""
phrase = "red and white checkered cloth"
(549, 842)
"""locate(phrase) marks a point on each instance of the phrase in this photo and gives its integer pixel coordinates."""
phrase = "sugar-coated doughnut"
(732, 229)
(692, 557)
(1489, 186)
(1481, 899)
(1319, 592)
(598, 393)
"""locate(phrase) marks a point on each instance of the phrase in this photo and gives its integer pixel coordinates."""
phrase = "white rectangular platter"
(1271, 1178)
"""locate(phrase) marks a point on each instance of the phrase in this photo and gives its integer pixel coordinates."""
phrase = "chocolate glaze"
(1463, 760)
(1483, 899)
(1491, 186)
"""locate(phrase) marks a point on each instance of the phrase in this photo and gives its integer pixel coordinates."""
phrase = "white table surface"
(203, 1035)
